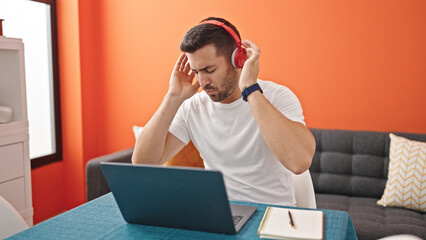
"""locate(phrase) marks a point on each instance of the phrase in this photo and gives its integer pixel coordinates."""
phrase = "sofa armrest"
(96, 184)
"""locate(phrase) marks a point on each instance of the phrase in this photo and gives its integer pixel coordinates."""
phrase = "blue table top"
(101, 219)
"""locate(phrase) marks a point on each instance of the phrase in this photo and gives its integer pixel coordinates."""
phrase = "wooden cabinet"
(15, 165)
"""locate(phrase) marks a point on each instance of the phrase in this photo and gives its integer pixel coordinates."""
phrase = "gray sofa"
(349, 172)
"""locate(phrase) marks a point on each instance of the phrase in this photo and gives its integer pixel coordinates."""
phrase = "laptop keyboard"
(237, 219)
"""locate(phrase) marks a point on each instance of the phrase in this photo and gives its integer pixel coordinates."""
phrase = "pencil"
(291, 219)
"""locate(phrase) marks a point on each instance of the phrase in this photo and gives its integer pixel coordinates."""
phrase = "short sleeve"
(179, 126)
(285, 101)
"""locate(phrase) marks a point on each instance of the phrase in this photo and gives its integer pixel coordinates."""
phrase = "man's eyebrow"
(203, 69)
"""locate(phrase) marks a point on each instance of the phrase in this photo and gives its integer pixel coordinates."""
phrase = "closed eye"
(208, 69)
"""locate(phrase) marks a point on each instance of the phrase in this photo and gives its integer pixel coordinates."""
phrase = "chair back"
(11, 221)
(304, 190)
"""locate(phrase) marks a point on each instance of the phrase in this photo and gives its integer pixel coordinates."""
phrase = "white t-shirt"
(229, 140)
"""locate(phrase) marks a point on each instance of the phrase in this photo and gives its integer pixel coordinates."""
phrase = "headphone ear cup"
(233, 56)
(239, 57)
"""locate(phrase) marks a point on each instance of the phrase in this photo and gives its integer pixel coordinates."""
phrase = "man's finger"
(251, 51)
(196, 85)
(179, 61)
(187, 68)
(247, 43)
(183, 63)
(250, 44)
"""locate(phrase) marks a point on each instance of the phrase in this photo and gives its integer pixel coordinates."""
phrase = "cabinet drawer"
(14, 192)
(11, 161)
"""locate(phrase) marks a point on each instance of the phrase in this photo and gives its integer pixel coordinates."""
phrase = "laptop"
(178, 197)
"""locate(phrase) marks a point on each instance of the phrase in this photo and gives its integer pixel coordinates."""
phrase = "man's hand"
(181, 80)
(250, 70)
(155, 144)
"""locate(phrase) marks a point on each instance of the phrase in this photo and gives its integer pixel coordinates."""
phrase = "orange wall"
(356, 65)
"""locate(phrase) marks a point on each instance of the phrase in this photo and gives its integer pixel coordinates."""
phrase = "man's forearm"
(291, 142)
(151, 142)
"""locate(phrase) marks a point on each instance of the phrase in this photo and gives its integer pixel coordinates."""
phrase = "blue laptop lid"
(188, 198)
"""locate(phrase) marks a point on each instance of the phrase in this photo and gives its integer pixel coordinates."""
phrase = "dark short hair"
(206, 34)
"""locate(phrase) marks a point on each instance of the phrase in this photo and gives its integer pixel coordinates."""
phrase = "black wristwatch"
(249, 90)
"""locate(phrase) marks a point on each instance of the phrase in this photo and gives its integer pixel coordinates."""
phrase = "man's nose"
(203, 79)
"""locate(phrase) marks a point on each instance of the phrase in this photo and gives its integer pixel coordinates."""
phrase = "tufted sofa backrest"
(353, 163)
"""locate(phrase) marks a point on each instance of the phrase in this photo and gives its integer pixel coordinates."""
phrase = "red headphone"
(239, 55)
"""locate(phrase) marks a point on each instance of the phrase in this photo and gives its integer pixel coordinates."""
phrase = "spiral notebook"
(278, 223)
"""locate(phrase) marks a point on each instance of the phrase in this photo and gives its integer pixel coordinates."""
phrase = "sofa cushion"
(352, 163)
(407, 175)
(372, 221)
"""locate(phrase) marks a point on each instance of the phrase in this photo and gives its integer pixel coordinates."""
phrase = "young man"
(257, 143)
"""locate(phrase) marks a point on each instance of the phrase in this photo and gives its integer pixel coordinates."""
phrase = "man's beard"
(229, 83)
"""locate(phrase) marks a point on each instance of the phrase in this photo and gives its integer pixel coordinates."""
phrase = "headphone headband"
(239, 54)
(228, 29)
